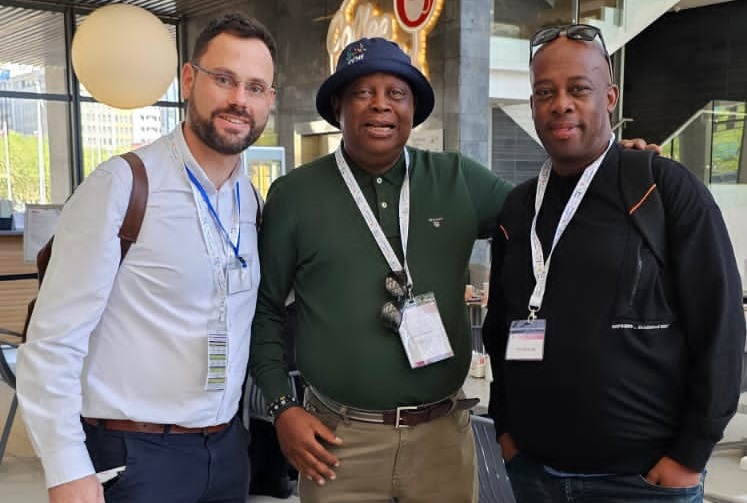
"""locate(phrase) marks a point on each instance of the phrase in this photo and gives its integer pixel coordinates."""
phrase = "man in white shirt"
(114, 376)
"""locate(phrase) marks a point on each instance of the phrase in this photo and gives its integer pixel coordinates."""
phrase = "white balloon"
(124, 56)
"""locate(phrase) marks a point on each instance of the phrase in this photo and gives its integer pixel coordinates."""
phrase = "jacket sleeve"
(495, 331)
(488, 193)
(710, 310)
(277, 255)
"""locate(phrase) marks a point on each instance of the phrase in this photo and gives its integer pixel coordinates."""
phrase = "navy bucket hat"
(373, 55)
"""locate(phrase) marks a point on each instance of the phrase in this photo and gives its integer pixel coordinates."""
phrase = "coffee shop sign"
(408, 24)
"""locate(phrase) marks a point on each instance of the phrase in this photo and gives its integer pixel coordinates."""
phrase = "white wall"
(733, 202)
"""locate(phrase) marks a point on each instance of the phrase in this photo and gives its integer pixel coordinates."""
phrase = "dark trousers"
(173, 468)
(532, 484)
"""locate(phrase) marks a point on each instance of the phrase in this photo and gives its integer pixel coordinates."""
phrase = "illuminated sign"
(407, 22)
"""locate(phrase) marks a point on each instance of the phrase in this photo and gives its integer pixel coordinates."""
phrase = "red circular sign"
(413, 14)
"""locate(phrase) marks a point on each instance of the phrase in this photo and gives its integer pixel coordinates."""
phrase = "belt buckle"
(398, 415)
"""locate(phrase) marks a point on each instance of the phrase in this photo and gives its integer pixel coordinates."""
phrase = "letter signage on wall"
(407, 22)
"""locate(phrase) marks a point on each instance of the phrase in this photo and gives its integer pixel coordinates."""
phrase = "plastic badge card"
(217, 354)
(422, 332)
(526, 340)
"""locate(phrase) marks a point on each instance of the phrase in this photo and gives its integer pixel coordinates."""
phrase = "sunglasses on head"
(582, 32)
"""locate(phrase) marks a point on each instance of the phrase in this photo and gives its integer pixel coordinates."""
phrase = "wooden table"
(17, 282)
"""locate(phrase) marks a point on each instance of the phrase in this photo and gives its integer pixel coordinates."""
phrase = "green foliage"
(727, 140)
(728, 128)
(23, 158)
(93, 156)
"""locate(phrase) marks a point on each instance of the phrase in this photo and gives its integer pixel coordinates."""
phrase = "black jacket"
(641, 360)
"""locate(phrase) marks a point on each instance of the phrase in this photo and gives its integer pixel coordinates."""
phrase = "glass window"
(110, 131)
(43, 151)
(34, 109)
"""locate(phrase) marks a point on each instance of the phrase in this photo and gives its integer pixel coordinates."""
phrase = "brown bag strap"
(133, 219)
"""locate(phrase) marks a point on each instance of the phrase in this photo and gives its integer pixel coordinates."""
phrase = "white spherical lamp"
(124, 56)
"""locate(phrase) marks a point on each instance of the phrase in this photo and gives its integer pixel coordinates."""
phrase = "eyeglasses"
(583, 32)
(228, 82)
(391, 312)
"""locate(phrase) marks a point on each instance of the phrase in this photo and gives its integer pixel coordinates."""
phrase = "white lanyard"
(218, 254)
(373, 224)
(540, 266)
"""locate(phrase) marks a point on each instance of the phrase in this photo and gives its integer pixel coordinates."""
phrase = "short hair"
(235, 24)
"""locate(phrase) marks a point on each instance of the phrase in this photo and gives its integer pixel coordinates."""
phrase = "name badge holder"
(526, 340)
(239, 279)
(422, 331)
(230, 273)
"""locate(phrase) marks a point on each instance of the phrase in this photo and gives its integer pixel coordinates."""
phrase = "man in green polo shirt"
(381, 336)
(384, 419)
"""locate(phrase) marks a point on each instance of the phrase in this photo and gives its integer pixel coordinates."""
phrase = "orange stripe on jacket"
(505, 232)
(639, 203)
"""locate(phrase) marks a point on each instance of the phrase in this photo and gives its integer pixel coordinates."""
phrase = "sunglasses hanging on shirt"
(395, 284)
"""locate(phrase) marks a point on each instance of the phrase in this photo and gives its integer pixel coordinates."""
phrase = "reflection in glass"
(711, 143)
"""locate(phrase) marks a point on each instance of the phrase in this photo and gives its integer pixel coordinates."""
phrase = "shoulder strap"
(128, 232)
(643, 200)
(133, 219)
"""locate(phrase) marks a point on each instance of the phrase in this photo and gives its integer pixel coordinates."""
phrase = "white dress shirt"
(130, 341)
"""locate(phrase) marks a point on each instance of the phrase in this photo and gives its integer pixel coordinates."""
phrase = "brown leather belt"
(140, 427)
(401, 417)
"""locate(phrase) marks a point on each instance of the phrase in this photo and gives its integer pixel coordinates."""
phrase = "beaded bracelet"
(279, 405)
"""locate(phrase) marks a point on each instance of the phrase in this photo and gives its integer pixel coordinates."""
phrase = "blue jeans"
(173, 468)
(532, 484)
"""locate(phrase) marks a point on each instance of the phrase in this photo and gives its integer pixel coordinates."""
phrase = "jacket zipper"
(637, 277)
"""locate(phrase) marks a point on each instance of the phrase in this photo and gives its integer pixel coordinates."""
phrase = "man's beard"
(208, 134)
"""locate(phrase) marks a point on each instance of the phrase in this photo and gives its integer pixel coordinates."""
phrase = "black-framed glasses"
(228, 82)
(583, 32)
(395, 284)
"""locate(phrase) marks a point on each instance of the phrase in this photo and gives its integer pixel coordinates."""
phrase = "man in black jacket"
(615, 372)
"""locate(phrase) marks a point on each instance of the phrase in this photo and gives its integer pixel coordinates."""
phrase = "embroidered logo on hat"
(354, 53)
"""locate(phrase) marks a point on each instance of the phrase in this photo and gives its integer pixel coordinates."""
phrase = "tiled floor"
(21, 476)
(21, 479)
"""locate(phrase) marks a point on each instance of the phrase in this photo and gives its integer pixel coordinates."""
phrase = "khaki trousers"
(433, 462)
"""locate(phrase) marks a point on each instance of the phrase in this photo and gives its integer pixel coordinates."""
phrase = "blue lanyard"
(205, 198)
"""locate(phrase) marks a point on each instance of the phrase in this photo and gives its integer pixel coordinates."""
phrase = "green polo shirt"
(315, 242)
